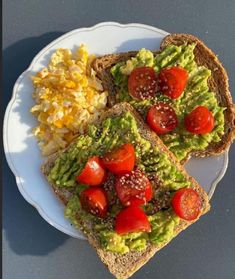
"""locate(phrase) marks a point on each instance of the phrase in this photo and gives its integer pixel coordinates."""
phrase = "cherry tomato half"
(93, 173)
(142, 83)
(94, 201)
(132, 219)
(162, 118)
(172, 81)
(199, 121)
(120, 160)
(133, 188)
(186, 204)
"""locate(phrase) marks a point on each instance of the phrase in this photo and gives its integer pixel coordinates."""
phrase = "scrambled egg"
(68, 96)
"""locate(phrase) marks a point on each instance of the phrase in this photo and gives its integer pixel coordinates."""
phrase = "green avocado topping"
(121, 129)
(179, 141)
(112, 133)
(162, 225)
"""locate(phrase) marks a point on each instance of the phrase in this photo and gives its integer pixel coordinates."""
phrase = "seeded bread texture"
(123, 266)
(63, 194)
(218, 83)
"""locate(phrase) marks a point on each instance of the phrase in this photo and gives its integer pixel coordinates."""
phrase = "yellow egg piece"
(68, 96)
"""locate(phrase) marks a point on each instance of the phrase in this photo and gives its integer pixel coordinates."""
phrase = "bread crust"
(123, 266)
(218, 83)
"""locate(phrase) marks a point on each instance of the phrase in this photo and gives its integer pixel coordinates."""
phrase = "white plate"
(22, 153)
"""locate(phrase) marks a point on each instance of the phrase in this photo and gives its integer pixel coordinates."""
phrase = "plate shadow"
(25, 231)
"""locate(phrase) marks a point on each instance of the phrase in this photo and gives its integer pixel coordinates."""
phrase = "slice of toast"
(218, 83)
(123, 266)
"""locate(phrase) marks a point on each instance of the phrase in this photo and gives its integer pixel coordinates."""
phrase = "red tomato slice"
(162, 118)
(133, 188)
(143, 197)
(210, 125)
(120, 160)
(93, 173)
(186, 204)
(132, 219)
(172, 81)
(142, 83)
(199, 121)
(94, 201)
(149, 192)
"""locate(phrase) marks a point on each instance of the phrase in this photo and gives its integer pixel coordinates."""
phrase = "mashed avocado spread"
(112, 133)
(196, 93)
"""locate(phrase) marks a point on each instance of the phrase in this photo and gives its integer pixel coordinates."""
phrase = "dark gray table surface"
(32, 249)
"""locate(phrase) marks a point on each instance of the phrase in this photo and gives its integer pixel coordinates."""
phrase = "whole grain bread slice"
(123, 266)
(218, 83)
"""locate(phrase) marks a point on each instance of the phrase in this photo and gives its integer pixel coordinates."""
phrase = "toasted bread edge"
(123, 266)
